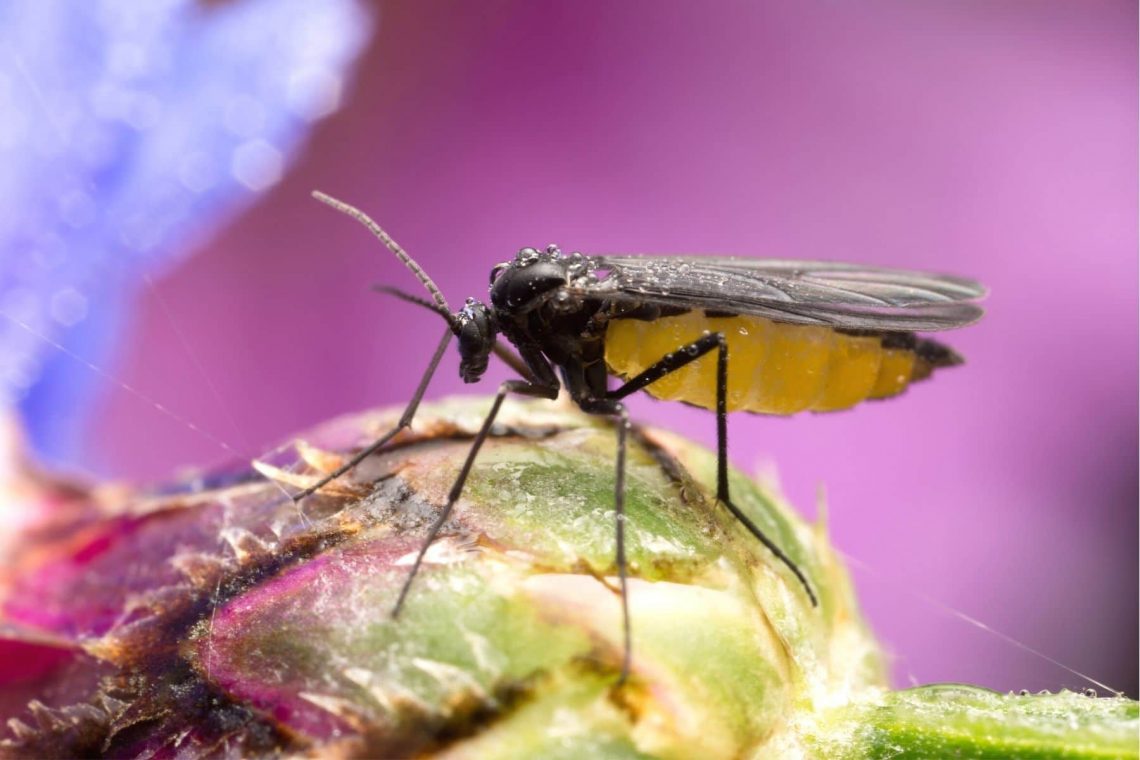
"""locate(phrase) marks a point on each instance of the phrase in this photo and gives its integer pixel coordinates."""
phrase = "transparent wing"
(804, 292)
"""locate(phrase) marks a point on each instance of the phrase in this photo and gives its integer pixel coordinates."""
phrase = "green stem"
(968, 722)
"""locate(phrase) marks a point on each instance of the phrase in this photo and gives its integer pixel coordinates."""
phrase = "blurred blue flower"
(128, 130)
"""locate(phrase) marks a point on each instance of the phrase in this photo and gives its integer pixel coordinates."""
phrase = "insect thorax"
(539, 306)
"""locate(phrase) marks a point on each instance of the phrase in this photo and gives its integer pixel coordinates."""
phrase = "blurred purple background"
(992, 139)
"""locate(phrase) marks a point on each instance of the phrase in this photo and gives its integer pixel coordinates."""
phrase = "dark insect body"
(802, 336)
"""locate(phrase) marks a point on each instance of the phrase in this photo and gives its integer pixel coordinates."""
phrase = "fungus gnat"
(801, 336)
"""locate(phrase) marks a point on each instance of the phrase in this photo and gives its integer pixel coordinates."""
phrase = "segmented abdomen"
(773, 367)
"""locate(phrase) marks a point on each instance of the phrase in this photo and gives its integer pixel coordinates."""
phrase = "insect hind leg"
(675, 361)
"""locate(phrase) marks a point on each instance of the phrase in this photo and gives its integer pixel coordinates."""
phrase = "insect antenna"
(437, 296)
(510, 358)
(403, 295)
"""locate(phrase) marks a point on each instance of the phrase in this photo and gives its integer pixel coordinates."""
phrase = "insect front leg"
(675, 361)
(405, 421)
(517, 387)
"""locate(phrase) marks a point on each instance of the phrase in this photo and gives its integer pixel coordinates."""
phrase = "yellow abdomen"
(773, 367)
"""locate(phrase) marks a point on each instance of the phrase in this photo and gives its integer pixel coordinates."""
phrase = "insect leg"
(722, 469)
(617, 409)
(519, 387)
(669, 363)
(515, 362)
(675, 361)
(405, 421)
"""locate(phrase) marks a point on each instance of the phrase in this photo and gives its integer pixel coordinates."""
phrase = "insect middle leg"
(517, 387)
(675, 361)
(614, 408)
